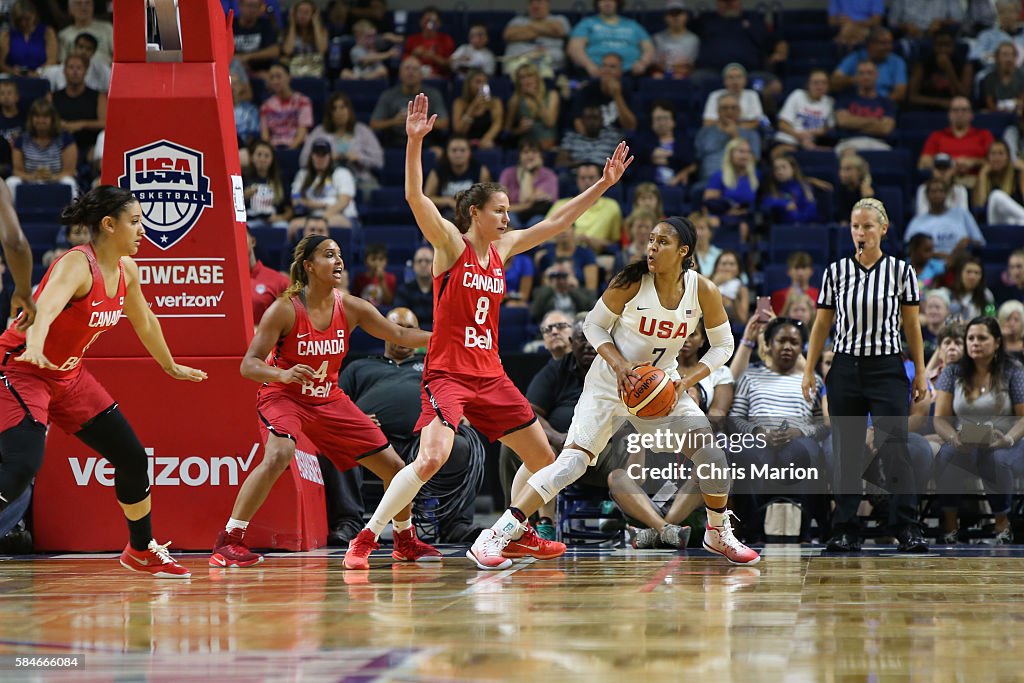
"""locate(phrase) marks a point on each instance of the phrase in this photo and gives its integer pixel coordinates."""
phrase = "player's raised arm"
(441, 233)
(364, 314)
(518, 241)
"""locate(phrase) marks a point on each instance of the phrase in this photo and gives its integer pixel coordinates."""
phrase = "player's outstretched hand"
(617, 165)
(297, 373)
(27, 304)
(417, 124)
(186, 373)
(37, 359)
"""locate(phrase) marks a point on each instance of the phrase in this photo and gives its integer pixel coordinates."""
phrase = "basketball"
(653, 395)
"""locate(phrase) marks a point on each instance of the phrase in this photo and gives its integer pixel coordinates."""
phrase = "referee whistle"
(860, 248)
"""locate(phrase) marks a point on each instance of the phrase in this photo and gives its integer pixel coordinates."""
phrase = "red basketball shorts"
(340, 431)
(69, 403)
(491, 404)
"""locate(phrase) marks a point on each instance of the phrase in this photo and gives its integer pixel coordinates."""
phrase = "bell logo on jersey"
(662, 329)
(168, 181)
(475, 340)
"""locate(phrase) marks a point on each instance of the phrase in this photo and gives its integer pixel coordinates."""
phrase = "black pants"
(856, 387)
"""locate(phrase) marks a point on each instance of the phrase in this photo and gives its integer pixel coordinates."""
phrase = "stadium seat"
(402, 241)
(809, 237)
(316, 90)
(39, 202)
(1001, 241)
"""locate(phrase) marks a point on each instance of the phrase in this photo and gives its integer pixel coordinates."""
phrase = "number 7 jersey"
(467, 304)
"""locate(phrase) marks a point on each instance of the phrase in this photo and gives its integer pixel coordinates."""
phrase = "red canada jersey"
(323, 351)
(467, 303)
(75, 328)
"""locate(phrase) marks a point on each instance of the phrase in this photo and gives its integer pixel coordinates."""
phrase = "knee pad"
(21, 455)
(712, 469)
(567, 468)
(110, 435)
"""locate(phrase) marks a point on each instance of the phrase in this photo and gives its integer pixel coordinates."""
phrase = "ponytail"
(91, 208)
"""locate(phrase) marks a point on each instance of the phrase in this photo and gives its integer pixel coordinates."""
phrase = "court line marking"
(661, 574)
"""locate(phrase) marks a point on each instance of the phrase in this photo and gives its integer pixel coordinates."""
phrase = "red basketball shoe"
(155, 561)
(721, 541)
(359, 548)
(408, 548)
(231, 551)
(532, 545)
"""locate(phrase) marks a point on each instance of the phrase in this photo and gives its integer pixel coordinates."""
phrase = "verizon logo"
(173, 471)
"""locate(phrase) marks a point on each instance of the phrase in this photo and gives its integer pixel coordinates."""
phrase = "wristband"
(749, 343)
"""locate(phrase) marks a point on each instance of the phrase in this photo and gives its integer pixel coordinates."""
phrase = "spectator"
(735, 295)
(352, 142)
(592, 145)
(949, 228)
(27, 45)
(608, 32)
(866, 119)
(1009, 30)
(267, 200)
(664, 147)
(1013, 277)
(247, 118)
(418, 293)
(565, 248)
(368, 61)
(73, 236)
(799, 268)
(1000, 187)
(706, 253)
(532, 112)
(256, 45)
(647, 197)
(97, 74)
(456, 172)
(943, 169)
(890, 69)
(962, 141)
(854, 19)
(601, 225)
(728, 34)
(806, 116)
(934, 319)
(968, 296)
(854, 185)
(561, 291)
(475, 55)
(986, 386)
(606, 91)
(431, 46)
(388, 117)
(556, 328)
(675, 48)
(82, 110)
(1002, 88)
(918, 18)
(531, 188)
(712, 140)
(519, 281)
(304, 47)
(1011, 323)
(376, 12)
(324, 190)
(44, 153)
(537, 38)
(942, 75)
(476, 114)
(734, 77)
(788, 197)
(947, 349)
(799, 307)
(731, 192)
(12, 122)
(1014, 136)
(921, 255)
(375, 283)
(267, 283)
(286, 116)
(83, 21)
(638, 225)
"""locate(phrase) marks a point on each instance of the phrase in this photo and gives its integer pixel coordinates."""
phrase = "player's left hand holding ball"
(184, 372)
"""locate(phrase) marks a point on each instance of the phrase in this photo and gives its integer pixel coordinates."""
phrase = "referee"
(869, 296)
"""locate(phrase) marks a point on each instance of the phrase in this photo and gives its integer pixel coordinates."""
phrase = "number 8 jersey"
(467, 302)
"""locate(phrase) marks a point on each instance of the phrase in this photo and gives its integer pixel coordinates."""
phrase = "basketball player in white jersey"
(643, 318)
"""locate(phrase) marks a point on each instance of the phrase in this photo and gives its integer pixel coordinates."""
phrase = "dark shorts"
(491, 404)
(68, 403)
(340, 431)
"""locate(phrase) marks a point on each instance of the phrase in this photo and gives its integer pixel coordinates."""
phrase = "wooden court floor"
(622, 616)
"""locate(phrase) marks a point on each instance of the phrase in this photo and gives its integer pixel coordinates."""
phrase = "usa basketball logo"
(168, 181)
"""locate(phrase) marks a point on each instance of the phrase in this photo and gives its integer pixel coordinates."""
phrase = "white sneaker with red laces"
(487, 550)
(155, 561)
(720, 540)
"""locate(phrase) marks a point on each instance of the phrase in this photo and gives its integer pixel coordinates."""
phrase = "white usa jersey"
(647, 331)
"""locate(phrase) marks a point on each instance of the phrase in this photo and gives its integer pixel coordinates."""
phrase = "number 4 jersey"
(323, 351)
(467, 302)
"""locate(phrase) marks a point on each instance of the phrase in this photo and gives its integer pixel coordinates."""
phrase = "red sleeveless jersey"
(76, 327)
(467, 303)
(322, 351)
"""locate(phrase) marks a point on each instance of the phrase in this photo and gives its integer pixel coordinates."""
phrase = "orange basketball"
(653, 395)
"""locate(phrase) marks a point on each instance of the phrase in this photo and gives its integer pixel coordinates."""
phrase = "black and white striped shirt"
(867, 303)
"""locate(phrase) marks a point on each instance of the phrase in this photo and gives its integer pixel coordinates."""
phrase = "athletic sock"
(401, 525)
(716, 516)
(140, 532)
(512, 524)
(400, 492)
(233, 524)
(520, 482)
